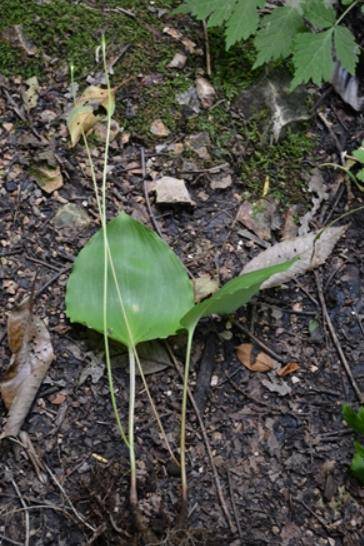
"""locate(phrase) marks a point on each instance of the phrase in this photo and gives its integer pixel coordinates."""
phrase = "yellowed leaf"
(80, 120)
(95, 96)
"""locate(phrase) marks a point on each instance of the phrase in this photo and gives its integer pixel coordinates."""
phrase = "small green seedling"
(355, 419)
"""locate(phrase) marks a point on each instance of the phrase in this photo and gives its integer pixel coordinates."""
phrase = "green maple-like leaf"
(347, 50)
(320, 15)
(274, 39)
(313, 57)
(243, 21)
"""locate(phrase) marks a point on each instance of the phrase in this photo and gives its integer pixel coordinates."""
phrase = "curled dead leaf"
(262, 362)
(312, 250)
(30, 343)
(289, 368)
(80, 120)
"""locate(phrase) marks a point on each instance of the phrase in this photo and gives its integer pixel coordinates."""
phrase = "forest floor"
(280, 447)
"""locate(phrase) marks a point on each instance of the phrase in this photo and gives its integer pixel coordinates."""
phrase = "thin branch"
(336, 341)
(218, 486)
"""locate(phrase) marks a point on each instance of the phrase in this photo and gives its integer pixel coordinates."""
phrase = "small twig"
(26, 513)
(207, 50)
(3, 537)
(316, 516)
(219, 490)
(52, 280)
(146, 194)
(236, 515)
(336, 341)
(328, 126)
(79, 516)
(261, 344)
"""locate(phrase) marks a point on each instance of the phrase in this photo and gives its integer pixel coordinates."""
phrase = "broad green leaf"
(319, 14)
(232, 295)
(243, 21)
(153, 282)
(275, 38)
(354, 418)
(359, 154)
(346, 48)
(346, 2)
(312, 57)
(357, 464)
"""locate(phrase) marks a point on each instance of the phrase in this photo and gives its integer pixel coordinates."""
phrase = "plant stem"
(344, 14)
(154, 409)
(183, 423)
(106, 339)
(133, 488)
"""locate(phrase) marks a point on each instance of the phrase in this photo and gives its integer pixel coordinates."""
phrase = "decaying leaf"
(49, 179)
(205, 92)
(30, 95)
(262, 362)
(153, 358)
(81, 120)
(316, 185)
(260, 217)
(312, 249)
(95, 97)
(46, 172)
(289, 368)
(85, 114)
(159, 129)
(204, 286)
(32, 354)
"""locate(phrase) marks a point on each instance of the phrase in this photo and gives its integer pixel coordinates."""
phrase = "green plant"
(128, 284)
(356, 421)
(309, 31)
(356, 159)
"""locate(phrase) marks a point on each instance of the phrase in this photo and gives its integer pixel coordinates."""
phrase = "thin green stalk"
(344, 14)
(133, 487)
(183, 420)
(154, 409)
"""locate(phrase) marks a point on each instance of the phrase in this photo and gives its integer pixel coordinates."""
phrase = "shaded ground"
(282, 460)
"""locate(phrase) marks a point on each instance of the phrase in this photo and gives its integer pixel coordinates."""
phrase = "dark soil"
(282, 460)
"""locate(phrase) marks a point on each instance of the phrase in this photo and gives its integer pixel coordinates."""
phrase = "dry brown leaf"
(97, 96)
(312, 249)
(291, 367)
(49, 179)
(205, 92)
(30, 343)
(262, 363)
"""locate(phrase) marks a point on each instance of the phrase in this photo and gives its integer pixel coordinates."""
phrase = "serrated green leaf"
(202, 9)
(154, 285)
(319, 14)
(359, 154)
(243, 21)
(274, 39)
(221, 13)
(346, 48)
(354, 418)
(313, 57)
(232, 295)
(357, 464)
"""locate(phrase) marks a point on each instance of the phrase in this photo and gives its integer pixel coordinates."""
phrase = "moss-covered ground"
(64, 31)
